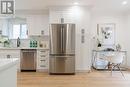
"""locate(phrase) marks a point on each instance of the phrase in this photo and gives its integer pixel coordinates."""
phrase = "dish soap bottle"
(18, 42)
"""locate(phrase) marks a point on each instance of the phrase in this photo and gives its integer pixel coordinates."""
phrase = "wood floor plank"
(93, 79)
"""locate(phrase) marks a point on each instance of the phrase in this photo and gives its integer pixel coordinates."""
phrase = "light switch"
(82, 35)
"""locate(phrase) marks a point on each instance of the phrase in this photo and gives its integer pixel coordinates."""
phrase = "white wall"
(127, 39)
(83, 52)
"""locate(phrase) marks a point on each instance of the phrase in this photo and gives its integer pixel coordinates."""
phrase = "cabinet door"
(56, 15)
(2, 55)
(38, 25)
(11, 54)
(4, 27)
(31, 25)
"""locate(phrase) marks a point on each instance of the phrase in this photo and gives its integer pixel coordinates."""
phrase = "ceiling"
(95, 4)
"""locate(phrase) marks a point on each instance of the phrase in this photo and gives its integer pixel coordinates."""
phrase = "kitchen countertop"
(19, 48)
(7, 63)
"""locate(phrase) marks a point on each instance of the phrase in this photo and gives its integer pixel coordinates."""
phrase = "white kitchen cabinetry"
(56, 15)
(8, 73)
(42, 59)
(11, 54)
(37, 25)
(3, 27)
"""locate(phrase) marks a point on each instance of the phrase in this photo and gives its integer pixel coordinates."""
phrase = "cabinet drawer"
(14, 55)
(43, 63)
(10, 55)
(43, 52)
(42, 58)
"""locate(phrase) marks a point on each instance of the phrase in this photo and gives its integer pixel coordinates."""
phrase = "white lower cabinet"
(11, 53)
(8, 75)
(42, 59)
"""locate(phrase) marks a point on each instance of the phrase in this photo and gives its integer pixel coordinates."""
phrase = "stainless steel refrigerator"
(62, 49)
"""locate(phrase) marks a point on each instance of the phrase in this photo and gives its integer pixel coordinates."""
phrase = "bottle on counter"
(18, 42)
(36, 44)
(31, 44)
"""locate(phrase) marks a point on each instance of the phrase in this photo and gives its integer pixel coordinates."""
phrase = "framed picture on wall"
(106, 33)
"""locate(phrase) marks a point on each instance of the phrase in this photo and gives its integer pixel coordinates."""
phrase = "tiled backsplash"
(26, 42)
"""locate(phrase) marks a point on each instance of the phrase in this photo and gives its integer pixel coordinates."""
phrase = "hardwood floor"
(93, 79)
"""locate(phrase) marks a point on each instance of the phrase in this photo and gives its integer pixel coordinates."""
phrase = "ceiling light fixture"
(124, 2)
(76, 3)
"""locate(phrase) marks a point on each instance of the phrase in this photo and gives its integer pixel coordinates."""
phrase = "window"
(19, 30)
(17, 27)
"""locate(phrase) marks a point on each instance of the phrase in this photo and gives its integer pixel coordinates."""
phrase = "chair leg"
(107, 66)
(120, 70)
(112, 69)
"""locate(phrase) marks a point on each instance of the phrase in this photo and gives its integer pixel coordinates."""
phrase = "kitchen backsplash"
(42, 41)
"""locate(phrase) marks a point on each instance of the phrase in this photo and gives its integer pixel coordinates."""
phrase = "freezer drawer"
(62, 65)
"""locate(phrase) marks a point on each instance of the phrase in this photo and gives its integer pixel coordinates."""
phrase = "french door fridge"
(62, 49)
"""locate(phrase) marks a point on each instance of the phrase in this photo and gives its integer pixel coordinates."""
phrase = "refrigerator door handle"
(61, 39)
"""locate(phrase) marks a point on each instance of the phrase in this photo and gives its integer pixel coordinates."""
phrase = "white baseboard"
(83, 71)
(42, 70)
(128, 67)
(18, 70)
(77, 71)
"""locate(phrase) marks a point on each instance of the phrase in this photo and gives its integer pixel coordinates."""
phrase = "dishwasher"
(28, 60)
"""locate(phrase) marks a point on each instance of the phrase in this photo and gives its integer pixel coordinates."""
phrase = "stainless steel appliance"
(62, 49)
(28, 59)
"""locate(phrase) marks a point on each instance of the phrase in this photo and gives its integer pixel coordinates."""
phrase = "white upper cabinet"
(55, 16)
(38, 25)
(3, 27)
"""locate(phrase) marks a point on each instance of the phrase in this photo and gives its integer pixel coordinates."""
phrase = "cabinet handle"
(42, 65)
(43, 56)
(42, 51)
(42, 60)
(8, 56)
